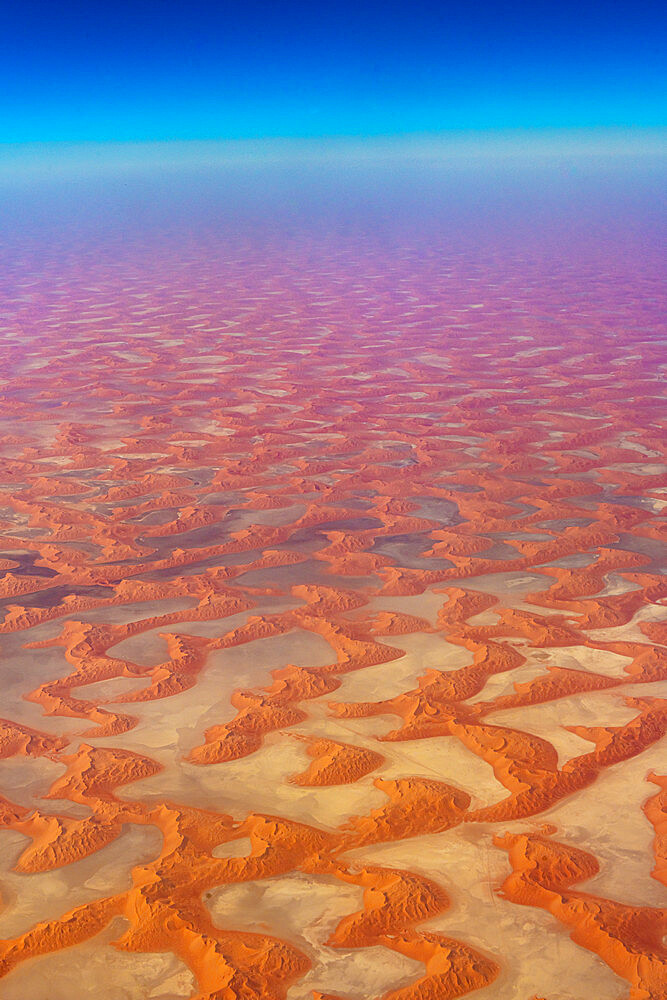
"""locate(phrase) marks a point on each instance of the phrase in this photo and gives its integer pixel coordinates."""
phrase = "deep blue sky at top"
(168, 69)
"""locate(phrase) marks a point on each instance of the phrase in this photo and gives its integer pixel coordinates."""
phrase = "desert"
(333, 613)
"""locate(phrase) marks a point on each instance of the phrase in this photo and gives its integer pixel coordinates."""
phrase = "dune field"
(334, 623)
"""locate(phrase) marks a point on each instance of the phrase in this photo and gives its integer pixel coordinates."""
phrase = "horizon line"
(60, 156)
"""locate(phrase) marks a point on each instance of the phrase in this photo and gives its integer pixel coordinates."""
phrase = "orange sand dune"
(628, 938)
(336, 763)
(453, 969)
(416, 806)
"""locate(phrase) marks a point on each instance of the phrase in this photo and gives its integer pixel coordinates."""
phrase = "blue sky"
(149, 70)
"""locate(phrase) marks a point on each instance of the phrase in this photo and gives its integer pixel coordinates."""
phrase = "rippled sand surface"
(333, 624)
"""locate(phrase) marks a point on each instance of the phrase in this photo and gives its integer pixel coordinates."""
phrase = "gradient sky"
(159, 69)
